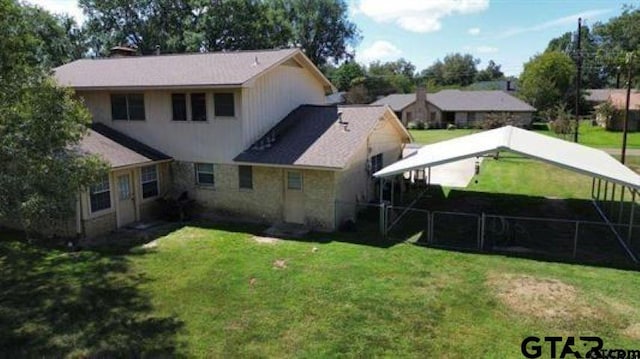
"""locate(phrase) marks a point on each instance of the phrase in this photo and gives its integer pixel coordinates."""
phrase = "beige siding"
(355, 184)
(274, 95)
(217, 139)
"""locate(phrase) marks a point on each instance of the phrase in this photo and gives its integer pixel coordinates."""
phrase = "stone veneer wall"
(97, 226)
(265, 202)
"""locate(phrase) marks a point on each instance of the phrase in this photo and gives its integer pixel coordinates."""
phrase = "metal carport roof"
(579, 158)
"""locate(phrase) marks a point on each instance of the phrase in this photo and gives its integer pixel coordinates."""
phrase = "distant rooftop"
(456, 100)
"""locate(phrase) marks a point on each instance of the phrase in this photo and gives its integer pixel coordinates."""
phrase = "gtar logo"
(532, 347)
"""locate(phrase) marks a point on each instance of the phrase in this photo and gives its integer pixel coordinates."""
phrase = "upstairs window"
(149, 179)
(100, 195)
(127, 107)
(204, 174)
(179, 104)
(224, 105)
(198, 107)
(245, 177)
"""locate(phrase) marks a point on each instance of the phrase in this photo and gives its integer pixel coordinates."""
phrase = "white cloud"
(483, 49)
(418, 16)
(379, 50)
(562, 21)
(69, 7)
(486, 49)
(474, 31)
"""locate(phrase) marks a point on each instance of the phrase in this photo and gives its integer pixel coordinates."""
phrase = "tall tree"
(454, 69)
(490, 73)
(547, 80)
(342, 76)
(320, 27)
(593, 75)
(40, 124)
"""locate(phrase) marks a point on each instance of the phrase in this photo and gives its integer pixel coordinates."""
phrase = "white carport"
(575, 157)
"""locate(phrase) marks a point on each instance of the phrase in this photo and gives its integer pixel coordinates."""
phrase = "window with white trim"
(149, 180)
(204, 174)
(294, 180)
(198, 106)
(245, 177)
(100, 195)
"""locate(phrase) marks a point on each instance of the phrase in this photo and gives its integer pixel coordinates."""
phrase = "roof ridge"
(185, 54)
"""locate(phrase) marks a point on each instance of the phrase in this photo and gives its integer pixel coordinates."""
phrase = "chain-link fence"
(549, 238)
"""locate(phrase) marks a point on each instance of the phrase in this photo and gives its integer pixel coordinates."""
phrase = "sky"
(509, 32)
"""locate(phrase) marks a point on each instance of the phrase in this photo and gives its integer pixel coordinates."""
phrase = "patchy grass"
(589, 135)
(216, 292)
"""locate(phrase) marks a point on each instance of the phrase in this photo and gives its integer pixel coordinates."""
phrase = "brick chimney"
(421, 105)
(122, 51)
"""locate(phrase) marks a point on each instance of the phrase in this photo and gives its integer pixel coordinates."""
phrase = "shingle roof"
(456, 100)
(619, 100)
(600, 95)
(397, 102)
(485, 101)
(118, 149)
(199, 69)
(312, 136)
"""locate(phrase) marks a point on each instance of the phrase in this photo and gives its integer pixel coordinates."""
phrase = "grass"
(214, 292)
(517, 175)
(589, 135)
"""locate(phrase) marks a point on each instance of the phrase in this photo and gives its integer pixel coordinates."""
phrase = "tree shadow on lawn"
(88, 304)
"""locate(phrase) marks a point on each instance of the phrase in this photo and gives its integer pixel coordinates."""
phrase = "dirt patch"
(632, 331)
(279, 264)
(548, 299)
(266, 240)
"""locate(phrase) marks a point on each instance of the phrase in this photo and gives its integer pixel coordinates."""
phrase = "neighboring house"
(598, 96)
(460, 108)
(248, 133)
(619, 101)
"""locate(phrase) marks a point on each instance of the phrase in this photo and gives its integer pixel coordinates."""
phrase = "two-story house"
(247, 133)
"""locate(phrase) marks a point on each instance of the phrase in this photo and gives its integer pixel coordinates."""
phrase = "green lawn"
(215, 292)
(516, 175)
(589, 135)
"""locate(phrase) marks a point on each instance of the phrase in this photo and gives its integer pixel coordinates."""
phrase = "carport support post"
(575, 240)
(633, 207)
(613, 198)
(484, 224)
(383, 210)
(621, 207)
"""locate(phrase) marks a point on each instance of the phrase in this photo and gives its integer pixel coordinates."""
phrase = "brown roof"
(456, 100)
(619, 100)
(196, 69)
(118, 149)
(311, 136)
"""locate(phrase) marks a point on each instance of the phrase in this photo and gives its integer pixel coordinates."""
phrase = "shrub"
(495, 120)
(416, 125)
(451, 126)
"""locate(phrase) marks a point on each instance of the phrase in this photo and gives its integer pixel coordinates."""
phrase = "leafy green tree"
(490, 73)
(454, 69)
(547, 80)
(320, 27)
(342, 76)
(392, 77)
(41, 170)
(593, 75)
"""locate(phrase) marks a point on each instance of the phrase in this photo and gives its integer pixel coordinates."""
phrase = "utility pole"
(626, 111)
(578, 80)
